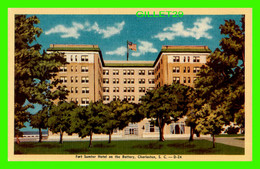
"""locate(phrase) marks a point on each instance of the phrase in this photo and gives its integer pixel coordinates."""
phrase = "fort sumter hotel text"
(90, 78)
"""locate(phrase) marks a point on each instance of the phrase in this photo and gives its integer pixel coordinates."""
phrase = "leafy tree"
(210, 121)
(221, 83)
(165, 104)
(60, 119)
(40, 120)
(120, 114)
(89, 120)
(26, 57)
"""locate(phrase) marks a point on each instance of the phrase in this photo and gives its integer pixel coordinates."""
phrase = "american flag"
(132, 46)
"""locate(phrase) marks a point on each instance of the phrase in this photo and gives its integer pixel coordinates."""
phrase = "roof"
(128, 64)
(60, 47)
(182, 49)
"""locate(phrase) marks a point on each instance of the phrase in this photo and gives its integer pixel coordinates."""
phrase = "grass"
(127, 147)
(230, 135)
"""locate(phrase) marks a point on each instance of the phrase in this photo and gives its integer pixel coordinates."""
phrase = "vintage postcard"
(130, 84)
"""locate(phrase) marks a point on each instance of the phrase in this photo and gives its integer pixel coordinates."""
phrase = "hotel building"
(89, 78)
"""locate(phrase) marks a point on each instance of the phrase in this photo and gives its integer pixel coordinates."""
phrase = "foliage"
(165, 104)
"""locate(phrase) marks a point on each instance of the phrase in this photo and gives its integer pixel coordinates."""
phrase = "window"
(140, 97)
(76, 79)
(151, 81)
(125, 80)
(84, 58)
(196, 59)
(84, 79)
(115, 98)
(76, 68)
(176, 58)
(76, 58)
(132, 81)
(71, 58)
(105, 89)
(133, 98)
(176, 70)
(188, 59)
(184, 58)
(106, 81)
(106, 98)
(141, 72)
(128, 72)
(188, 79)
(184, 69)
(132, 72)
(72, 100)
(71, 79)
(63, 79)
(65, 57)
(85, 90)
(125, 89)
(105, 72)
(71, 69)
(115, 89)
(194, 79)
(85, 101)
(63, 69)
(141, 89)
(176, 79)
(84, 69)
(124, 72)
(188, 69)
(76, 89)
(115, 80)
(184, 79)
(72, 90)
(151, 88)
(150, 72)
(141, 81)
(115, 72)
(77, 100)
(196, 69)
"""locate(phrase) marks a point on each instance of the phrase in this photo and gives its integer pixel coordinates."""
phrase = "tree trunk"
(90, 140)
(17, 139)
(40, 135)
(61, 135)
(213, 139)
(110, 133)
(161, 133)
(191, 133)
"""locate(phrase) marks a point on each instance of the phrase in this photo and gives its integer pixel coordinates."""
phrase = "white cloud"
(144, 47)
(74, 30)
(108, 31)
(119, 51)
(199, 30)
(67, 32)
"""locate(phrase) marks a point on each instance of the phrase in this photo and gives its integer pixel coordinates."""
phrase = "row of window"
(84, 79)
(177, 69)
(83, 100)
(186, 59)
(128, 72)
(185, 79)
(127, 89)
(126, 97)
(83, 58)
(83, 90)
(128, 81)
(64, 69)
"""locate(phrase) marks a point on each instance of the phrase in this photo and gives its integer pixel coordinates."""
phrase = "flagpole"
(127, 51)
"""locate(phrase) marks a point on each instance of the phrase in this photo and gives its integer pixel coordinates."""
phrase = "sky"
(111, 32)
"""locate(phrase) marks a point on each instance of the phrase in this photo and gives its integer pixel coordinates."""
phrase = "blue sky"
(111, 33)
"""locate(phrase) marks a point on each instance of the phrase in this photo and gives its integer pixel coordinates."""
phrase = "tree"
(60, 119)
(40, 121)
(221, 83)
(89, 120)
(210, 121)
(165, 104)
(120, 114)
(26, 57)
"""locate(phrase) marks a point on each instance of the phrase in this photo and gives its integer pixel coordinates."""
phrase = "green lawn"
(127, 147)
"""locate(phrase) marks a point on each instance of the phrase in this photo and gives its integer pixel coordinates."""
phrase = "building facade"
(89, 78)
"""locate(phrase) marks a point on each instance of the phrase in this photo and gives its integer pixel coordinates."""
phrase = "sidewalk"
(232, 141)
